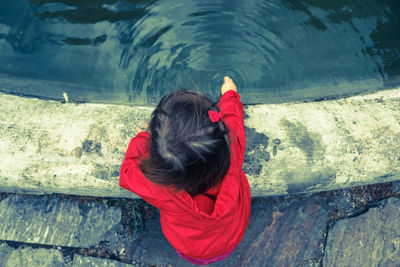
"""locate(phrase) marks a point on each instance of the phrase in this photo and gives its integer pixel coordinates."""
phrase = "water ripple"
(137, 50)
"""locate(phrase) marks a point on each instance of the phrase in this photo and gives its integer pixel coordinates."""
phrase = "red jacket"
(208, 224)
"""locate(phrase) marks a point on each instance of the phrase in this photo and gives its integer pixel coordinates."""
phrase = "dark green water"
(134, 51)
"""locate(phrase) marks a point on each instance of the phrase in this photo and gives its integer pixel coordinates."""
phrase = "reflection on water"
(134, 51)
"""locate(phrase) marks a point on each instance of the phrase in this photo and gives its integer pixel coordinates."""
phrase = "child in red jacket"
(189, 165)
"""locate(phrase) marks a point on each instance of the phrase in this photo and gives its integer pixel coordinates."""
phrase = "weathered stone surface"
(153, 248)
(396, 187)
(5, 251)
(81, 261)
(279, 234)
(370, 239)
(27, 257)
(292, 237)
(50, 147)
(51, 221)
(286, 231)
(326, 145)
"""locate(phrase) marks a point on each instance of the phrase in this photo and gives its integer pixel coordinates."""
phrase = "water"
(134, 51)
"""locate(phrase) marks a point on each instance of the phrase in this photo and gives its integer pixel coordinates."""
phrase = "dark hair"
(188, 151)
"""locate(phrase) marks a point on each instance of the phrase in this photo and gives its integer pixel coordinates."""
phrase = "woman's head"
(188, 151)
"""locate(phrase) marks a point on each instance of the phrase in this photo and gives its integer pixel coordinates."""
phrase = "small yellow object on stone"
(65, 97)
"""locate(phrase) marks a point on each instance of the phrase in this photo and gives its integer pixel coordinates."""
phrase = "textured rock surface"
(5, 252)
(283, 231)
(293, 236)
(30, 257)
(81, 261)
(370, 239)
(327, 145)
(51, 221)
(50, 147)
(279, 234)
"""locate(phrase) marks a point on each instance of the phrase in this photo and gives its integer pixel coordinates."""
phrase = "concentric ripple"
(135, 51)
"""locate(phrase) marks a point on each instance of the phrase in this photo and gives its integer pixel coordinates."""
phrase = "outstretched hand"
(146, 128)
(228, 85)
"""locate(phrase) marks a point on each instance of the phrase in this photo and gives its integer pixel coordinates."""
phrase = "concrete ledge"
(69, 148)
(327, 145)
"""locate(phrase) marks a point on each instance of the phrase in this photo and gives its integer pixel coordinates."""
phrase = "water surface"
(134, 51)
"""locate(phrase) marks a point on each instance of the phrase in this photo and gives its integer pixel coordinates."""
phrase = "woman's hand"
(228, 85)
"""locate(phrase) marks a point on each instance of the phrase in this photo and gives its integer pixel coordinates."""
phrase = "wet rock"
(275, 151)
(370, 239)
(276, 141)
(310, 143)
(55, 221)
(153, 248)
(396, 187)
(256, 155)
(293, 236)
(89, 146)
(81, 261)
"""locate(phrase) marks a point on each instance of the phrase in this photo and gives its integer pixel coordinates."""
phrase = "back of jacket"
(208, 224)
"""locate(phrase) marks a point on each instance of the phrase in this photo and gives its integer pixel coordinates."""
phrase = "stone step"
(279, 234)
(82, 261)
(28, 256)
(370, 239)
(56, 221)
(289, 231)
(282, 231)
(45, 257)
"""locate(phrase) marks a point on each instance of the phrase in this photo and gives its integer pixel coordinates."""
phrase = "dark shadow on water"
(136, 51)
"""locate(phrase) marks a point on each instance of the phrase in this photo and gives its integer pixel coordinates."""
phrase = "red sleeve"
(131, 177)
(139, 146)
(232, 108)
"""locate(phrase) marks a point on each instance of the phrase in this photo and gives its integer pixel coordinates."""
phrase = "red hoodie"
(208, 224)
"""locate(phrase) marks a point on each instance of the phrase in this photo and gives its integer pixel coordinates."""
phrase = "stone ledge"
(52, 147)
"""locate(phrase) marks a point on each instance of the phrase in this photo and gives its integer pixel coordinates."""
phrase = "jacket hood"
(225, 203)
